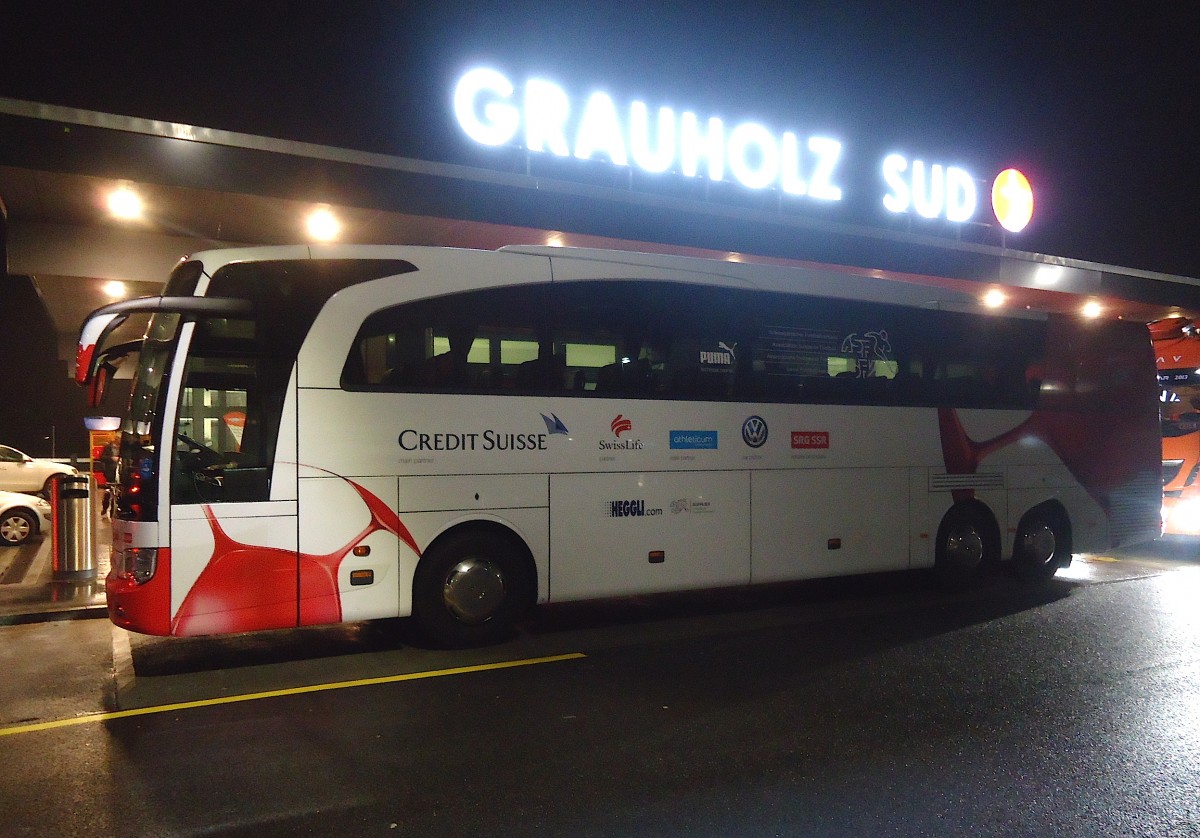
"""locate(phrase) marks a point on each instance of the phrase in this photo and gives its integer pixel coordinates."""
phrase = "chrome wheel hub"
(1039, 544)
(964, 547)
(474, 590)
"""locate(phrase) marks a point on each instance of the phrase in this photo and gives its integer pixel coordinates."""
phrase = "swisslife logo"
(621, 425)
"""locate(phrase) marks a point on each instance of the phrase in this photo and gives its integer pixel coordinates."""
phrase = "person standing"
(108, 468)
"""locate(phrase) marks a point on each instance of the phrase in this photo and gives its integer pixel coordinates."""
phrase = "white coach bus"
(324, 434)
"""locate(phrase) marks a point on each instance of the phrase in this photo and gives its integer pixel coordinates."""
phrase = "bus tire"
(967, 545)
(470, 588)
(1043, 544)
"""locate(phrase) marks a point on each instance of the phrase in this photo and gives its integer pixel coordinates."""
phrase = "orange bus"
(1177, 353)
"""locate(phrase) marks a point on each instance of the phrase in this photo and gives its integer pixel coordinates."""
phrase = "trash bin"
(71, 527)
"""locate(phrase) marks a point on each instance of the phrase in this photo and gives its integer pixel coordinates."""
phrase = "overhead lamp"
(1092, 309)
(114, 289)
(126, 204)
(323, 225)
(1047, 275)
(994, 298)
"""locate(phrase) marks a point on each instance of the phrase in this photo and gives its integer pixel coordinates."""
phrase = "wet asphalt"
(873, 706)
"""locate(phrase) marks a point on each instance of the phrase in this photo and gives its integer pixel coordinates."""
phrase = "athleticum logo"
(694, 440)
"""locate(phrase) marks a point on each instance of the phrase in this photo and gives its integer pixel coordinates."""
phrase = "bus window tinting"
(237, 371)
(677, 341)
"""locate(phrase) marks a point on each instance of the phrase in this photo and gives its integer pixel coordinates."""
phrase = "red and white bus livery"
(319, 434)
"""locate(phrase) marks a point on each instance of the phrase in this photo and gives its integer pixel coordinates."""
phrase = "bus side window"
(470, 342)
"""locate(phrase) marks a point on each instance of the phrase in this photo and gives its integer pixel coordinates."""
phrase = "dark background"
(1097, 107)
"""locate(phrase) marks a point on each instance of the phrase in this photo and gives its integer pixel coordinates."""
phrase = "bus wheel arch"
(472, 584)
(1043, 543)
(968, 544)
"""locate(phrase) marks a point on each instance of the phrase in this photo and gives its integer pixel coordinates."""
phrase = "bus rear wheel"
(470, 589)
(966, 546)
(1043, 545)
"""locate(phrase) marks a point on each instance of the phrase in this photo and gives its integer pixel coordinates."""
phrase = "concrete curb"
(90, 612)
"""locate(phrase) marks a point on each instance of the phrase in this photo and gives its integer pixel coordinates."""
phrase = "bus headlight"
(139, 563)
(1185, 516)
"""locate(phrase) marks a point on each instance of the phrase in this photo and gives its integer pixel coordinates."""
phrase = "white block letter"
(600, 131)
(789, 174)
(899, 198)
(546, 110)
(496, 122)
(961, 196)
(693, 146)
(753, 155)
(828, 152)
(661, 158)
(928, 197)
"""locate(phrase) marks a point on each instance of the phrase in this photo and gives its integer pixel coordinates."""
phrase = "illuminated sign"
(492, 111)
(542, 118)
(1012, 200)
(933, 190)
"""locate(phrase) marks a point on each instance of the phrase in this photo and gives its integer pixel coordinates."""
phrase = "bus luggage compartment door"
(627, 533)
(810, 523)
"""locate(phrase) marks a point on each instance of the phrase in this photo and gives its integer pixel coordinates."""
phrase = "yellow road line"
(231, 699)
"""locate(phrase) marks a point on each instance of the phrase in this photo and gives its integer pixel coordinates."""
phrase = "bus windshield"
(234, 381)
(136, 470)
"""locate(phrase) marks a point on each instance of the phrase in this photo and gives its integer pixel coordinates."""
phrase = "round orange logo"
(1012, 200)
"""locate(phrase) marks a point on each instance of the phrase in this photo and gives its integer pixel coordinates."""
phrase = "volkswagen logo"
(754, 431)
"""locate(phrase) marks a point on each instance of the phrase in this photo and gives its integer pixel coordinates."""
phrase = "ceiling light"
(114, 290)
(994, 298)
(125, 204)
(1092, 309)
(323, 225)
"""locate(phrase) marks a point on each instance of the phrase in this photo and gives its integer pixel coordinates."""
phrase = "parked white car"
(21, 473)
(21, 518)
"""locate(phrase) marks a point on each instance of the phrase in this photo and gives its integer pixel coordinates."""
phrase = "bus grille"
(951, 482)
(1135, 510)
(1170, 470)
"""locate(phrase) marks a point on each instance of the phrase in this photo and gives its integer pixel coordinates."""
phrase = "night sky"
(1099, 109)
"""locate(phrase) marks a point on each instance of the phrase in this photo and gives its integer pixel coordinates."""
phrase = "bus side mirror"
(97, 387)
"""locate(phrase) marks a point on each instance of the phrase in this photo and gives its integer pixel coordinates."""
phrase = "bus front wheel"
(470, 589)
